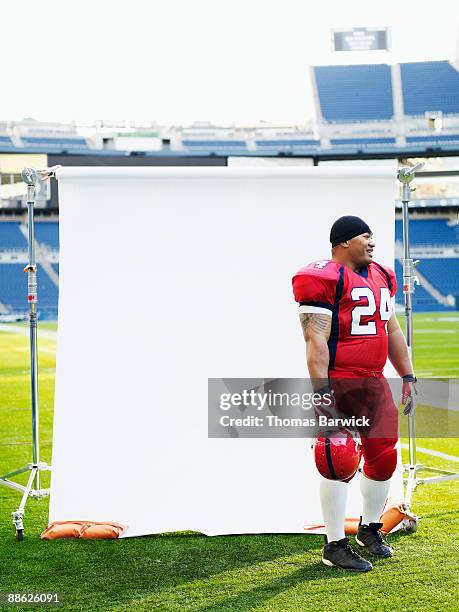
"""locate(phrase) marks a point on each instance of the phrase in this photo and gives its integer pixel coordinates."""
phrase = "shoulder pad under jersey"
(314, 286)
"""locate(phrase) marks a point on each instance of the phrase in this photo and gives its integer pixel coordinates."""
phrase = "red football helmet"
(337, 454)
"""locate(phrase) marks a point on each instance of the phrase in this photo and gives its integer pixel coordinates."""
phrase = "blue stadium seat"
(429, 232)
(362, 141)
(287, 143)
(47, 232)
(13, 280)
(205, 145)
(422, 300)
(442, 273)
(355, 93)
(54, 144)
(430, 86)
(434, 138)
(47, 292)
(363, 144)
(13, 286)
(11, 237)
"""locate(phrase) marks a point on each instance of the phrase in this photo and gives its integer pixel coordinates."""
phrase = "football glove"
(408, 393)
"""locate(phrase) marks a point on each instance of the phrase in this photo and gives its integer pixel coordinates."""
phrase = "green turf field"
(194, 572)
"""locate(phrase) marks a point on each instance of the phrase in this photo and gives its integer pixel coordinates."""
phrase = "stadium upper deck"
(366, 92)
(408, 108)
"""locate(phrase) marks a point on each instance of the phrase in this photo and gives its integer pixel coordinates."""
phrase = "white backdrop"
(169, 276)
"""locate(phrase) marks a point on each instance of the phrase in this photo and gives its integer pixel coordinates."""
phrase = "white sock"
(333, 497)
(374, 494)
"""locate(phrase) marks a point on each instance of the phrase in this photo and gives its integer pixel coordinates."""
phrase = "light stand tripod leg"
(411, 484)
(15, 472)
(412, 481)
(18, 515)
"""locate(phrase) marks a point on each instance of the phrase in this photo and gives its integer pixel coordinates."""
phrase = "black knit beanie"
(347, 227)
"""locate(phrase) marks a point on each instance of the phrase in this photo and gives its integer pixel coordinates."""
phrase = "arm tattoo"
(315, 324)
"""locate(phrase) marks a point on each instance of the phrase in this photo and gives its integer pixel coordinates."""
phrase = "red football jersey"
(359, 304)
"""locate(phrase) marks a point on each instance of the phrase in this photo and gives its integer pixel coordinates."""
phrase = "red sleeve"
(314, 287)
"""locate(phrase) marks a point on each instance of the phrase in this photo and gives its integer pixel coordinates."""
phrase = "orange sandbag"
(65, 529)
(83, 529)
(350, 526)
(394, 513)
(107, 531)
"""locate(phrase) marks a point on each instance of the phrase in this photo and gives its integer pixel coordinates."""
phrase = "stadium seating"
(6, 144)
(13, 280)
(47, 233)
(5, 140)
(355, 93)
(11, 237)
(443, 274)
(430, 86)
(363, 144)
(422, 300)
(13, 286)
(433, 138)
(47, 295)
(287, 144)
(54, 144)
(429, 232)
(207, 145)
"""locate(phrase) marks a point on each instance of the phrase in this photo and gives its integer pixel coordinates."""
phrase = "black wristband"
(409, 378)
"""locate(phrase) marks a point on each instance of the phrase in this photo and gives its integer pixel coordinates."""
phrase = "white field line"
(25, 331)
(421, 345)
(436, 331)
(453, 319)
(25, 349)
(434, 453)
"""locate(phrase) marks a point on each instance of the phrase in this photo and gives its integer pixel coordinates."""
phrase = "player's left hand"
(408, 393)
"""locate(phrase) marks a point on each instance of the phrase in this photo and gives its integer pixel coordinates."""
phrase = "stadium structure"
(365, 113)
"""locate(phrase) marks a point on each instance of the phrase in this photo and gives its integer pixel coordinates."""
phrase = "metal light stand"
(405, 176)
(32, 489)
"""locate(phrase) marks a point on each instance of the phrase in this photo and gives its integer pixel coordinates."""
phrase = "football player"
(350, 329)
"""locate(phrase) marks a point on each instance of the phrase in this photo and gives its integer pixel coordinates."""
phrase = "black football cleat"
(340, 554)
(370, 537)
